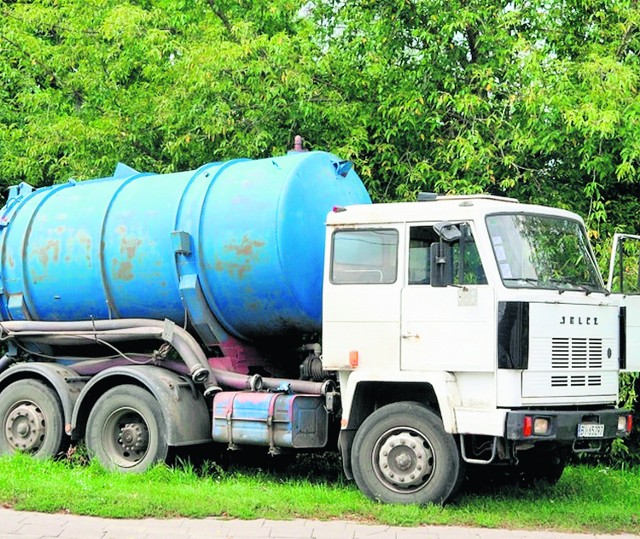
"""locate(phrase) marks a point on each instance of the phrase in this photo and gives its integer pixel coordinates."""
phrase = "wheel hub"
(25, 427)
(404, 460)
(133, 437)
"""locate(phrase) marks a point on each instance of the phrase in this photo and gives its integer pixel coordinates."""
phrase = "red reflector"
(527, 426)
(629, 423)
(354, 358)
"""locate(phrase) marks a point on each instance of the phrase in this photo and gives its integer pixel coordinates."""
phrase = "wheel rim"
(25, 427)
(125, 437)
(403, 460)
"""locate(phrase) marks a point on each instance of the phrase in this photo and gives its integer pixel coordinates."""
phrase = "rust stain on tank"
(128, 247)
(43, 253)
(124, 271)
(232, 268)
(84, 239)
(246, 252)
(246, 246)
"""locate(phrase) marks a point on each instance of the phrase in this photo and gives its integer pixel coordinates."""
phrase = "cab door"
(624, 283)
(361, 306)
(446, 328)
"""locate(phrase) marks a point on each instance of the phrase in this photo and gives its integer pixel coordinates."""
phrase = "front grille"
(576, 353)
(576, 380)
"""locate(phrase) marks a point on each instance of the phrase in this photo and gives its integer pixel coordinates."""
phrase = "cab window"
(464, 259)
(364, 256)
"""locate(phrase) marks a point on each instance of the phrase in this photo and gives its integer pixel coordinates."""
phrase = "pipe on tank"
(231, 380)
(75, 338)
(90, 367)
(228, 379)
(75, 333)
(299, 386)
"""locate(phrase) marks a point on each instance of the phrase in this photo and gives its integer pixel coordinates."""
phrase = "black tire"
(31, 419)
(126, 430)
(402, 454)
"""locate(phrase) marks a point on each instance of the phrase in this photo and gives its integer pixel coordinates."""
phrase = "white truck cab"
(467, 330)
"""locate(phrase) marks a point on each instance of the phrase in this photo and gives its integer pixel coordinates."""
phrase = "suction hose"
(77, 333)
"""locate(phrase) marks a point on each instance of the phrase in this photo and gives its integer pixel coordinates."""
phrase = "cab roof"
(438, 208)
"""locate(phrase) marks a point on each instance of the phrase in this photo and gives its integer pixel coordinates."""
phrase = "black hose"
(5, 361)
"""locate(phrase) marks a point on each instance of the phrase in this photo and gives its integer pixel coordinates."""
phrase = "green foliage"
(625, 453)
(160, 85)
(536, 99)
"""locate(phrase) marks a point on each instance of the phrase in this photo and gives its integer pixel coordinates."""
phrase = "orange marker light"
(353, 358)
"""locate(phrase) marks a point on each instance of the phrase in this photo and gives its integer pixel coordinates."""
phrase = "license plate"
(590, 430)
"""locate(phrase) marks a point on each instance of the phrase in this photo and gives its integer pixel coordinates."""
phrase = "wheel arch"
(182, 406)
(66, 383)
(366, 396)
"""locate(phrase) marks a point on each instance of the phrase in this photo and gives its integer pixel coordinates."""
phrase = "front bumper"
(563, 425)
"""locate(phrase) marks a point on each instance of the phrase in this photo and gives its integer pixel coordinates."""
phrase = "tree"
(160, 85)
(535, 99)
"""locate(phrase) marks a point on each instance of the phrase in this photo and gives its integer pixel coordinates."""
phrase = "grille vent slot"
(576, 353)
(576, 380)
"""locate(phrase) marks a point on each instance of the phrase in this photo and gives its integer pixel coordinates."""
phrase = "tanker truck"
(268, 303)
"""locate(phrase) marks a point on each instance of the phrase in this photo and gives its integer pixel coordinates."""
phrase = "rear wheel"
(31, 419)
(402, 454)
(126, 431)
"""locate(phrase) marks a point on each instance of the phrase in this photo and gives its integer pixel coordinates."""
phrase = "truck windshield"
(542, 251)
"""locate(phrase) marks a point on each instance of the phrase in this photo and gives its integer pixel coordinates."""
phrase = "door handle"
(410, 335)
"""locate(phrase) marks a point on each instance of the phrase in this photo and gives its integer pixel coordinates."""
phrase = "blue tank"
(237, 247)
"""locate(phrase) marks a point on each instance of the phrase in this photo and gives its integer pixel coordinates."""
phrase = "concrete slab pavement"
(30, 525)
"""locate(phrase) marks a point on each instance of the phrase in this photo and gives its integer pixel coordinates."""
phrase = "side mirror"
(447, 231)
(441, 264)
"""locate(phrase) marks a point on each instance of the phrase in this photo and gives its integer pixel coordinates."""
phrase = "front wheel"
(126, 431)
(402, 454)
(31, 419)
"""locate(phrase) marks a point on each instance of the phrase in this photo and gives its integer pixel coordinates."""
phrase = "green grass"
(597, 500)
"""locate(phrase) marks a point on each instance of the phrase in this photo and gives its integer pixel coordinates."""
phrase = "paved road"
(27, 525)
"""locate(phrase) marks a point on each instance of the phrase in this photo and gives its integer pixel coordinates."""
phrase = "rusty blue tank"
(237, 247)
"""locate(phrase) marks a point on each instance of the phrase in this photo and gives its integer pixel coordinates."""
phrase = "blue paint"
(249, 236)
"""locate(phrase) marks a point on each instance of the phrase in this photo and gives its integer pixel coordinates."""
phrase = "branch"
(626, 39)
(46, 68)
(225, 20)
(472, 35)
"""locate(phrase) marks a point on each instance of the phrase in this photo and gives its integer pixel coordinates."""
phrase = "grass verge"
(587, 499)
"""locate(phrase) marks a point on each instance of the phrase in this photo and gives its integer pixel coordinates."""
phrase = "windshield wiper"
(590, 287)
(587, 288)
(558, 283)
